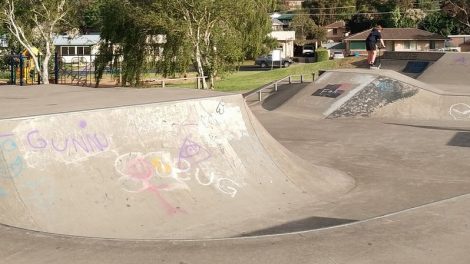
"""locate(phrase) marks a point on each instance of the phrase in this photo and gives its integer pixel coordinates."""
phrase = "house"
(336, 32)
(286, 42)
(333, 47)
(397, 39)
(285, 18)
(277, 24)
(82, 48)
(293, 4)
(3, 41)
(460, 41)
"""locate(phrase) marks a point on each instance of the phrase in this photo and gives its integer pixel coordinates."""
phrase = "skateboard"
(375, 67)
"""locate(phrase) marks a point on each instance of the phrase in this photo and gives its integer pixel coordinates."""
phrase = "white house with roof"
(285, 41)
(82, 48)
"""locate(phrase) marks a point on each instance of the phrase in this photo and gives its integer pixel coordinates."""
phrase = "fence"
(80, 70)
(18, 69)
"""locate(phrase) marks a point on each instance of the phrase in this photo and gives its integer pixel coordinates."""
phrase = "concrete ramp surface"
(199, 168)
(380, 93)
(452, 69)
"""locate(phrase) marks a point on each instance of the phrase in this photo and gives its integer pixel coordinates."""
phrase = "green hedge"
(321, 54)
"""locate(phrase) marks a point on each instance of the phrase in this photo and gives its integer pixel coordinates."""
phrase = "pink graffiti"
(141, 170)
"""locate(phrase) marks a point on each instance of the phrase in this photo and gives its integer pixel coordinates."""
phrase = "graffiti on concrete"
(67, 141)
(460, 111)
(190, 150)
(151, 172)
(461, 60)
(159, 172)
(220, 108)
(12, 166)
(332, 90)
(79, 142)
(386, 85)
(11, 162)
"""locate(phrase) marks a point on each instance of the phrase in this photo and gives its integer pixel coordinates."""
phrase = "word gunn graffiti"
(82, 142)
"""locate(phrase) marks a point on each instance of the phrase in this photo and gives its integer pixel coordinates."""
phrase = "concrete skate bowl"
(353, 93)
(195, 169)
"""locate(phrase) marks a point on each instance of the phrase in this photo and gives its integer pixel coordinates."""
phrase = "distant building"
(460, 41)
(293, 4)
(397, 39)
(3, 41)
(277, 24)
(81, 48)
(286, 42)
(286, 19)
(336, 31)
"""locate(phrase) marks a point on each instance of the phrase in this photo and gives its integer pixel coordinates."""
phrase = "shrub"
(321, 54)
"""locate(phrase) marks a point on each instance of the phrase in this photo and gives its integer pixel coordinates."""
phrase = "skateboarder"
(371, 44)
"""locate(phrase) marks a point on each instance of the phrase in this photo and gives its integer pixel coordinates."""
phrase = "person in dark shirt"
(371, 44)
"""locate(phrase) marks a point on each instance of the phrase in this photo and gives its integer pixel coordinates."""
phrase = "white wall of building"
(286, 42)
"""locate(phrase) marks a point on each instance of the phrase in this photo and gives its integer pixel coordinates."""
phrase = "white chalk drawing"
(158, 172)
(460, 111)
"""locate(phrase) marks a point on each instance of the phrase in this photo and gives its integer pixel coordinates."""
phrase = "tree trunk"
(200, 69)
(45, 64)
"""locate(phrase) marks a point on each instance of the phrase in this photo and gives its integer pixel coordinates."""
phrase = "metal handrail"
(164, 81)
(275, 84)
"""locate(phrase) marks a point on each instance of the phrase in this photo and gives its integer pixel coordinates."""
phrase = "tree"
(304, 28)
(440, 23)
(35, 23)
(407, 19)
(459, 10)
(211, 35)
(325, 12)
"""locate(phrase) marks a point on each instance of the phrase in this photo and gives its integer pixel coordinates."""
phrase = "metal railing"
(164, 82)
(275, 85)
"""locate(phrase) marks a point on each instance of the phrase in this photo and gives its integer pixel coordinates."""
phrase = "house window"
(83, 51)
(335, 31)
(67, 51)
(410, 45)
(432, 44)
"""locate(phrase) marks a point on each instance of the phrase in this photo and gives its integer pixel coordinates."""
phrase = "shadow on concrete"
(431, 127)
(284, 93)
(361, 64)
(300, 225)
(416, 66)
(461, 139)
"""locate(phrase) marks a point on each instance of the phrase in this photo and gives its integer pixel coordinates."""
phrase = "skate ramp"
(451, 69)
(201, 168)
(382, 94)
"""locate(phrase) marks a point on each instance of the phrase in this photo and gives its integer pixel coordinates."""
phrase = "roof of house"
(337, 24)
(399, 34)
(286, 17)
(276, 22)
(334, 45)
(81, 40)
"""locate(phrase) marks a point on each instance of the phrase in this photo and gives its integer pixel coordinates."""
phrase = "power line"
(363, 13)
(337, 7)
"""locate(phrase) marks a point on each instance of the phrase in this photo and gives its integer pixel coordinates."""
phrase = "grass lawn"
(249, 80)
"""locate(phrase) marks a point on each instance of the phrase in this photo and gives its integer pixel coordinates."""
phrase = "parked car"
(337, 55)
(267, 61)
(308, 50)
